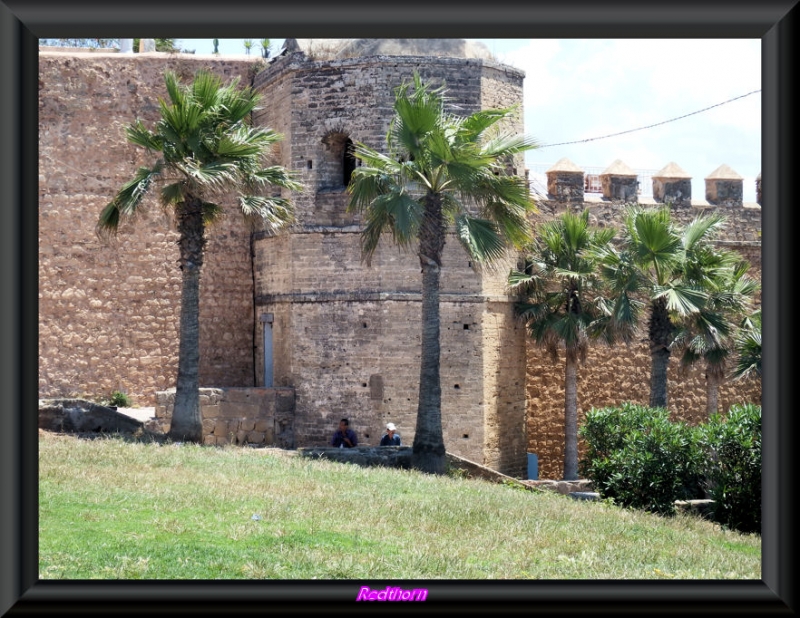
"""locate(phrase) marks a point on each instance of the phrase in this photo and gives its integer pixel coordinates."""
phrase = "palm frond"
(275, 176)
(174, 90)
(748, 362)
(173, 193)
(476, 124)
(206, 89)
(682, 300)
(507, 145)
(702, 228)
(270, 213)
(137, 134)
(127, 200)
(229, 146)
(212, 213)
(480, 238)
(213, 176)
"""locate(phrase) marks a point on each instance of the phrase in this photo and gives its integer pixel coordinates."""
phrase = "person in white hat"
(391, 437)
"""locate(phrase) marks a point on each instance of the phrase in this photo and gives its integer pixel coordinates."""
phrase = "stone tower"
(346, 334)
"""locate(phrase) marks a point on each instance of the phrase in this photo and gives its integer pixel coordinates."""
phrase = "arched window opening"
(338, 161)
(348, 162)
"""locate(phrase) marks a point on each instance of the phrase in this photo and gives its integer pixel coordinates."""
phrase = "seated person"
(391, 437)
(344, 436)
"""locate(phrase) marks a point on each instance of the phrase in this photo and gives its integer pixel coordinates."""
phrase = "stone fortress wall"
(108, 312)
(611, 376)
(344, 334)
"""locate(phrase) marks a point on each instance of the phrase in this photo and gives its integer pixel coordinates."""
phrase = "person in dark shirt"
(391, 437)
(344, 436)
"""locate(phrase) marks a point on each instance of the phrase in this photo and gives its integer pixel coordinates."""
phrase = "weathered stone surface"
(562, 487)
(584, 495)
(252, 422)
(389, 456)
(81, 416)
(116, 302)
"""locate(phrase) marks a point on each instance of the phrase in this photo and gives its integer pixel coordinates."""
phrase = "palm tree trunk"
(658, 377)
(186, 424)
(428, 452)
(571, 418)
(660, 333)
(712, 393)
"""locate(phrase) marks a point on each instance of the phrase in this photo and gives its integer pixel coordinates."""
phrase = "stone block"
(238, 410)
(263, 424)
(284, 400)
(223, 428)
(209, 411)
(242, 395)
(256, 437)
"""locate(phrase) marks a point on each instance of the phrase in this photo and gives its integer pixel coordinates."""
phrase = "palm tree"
(658, 266)
(564, 304)
(248, 45)
(748, 348)
(205, 150)
(440, 169)
(709, 334)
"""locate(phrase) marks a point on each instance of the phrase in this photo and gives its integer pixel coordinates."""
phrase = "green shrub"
(120, 399)
(734, 467)
(638, 458)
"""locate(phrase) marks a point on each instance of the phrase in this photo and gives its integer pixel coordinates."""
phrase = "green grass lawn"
(111, 508)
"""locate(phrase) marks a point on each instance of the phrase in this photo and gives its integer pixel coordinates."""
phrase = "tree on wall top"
(436, 165)
(205, 151)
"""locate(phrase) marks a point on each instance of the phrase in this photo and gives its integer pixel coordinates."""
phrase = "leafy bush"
(640, 459)
(120, 399)
(734, 467)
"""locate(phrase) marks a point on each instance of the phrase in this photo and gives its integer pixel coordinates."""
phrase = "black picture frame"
(23, 22)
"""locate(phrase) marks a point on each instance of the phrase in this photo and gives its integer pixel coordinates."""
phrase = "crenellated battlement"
(567, 183)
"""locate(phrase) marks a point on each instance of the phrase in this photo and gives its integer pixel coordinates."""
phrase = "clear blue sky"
(580, 89)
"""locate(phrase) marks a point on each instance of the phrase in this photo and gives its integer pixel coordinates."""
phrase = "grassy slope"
(114, 509)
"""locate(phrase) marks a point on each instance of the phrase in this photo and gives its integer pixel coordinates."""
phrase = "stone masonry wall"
(108, 313)
(611, 376)
(242, 416)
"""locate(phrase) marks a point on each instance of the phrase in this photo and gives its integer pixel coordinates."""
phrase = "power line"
(650, 126)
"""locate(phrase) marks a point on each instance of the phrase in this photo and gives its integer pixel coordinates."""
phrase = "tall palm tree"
(563, 304)
(440, 169)
(709, 334)
(206, 149)
(658, 266)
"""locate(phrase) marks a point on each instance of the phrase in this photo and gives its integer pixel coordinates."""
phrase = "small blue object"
(256, 518)
(533, 467)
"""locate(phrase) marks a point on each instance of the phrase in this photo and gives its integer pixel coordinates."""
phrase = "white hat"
(391, 427)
